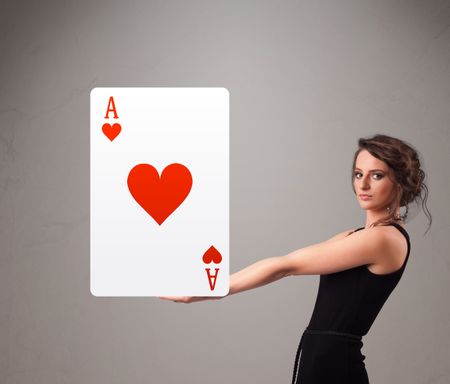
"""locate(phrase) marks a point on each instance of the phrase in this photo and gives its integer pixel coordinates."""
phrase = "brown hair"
(403, 160)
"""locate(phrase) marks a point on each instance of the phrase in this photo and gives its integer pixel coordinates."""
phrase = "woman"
(358, 269)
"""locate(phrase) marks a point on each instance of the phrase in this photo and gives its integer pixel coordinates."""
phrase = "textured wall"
(306, 80)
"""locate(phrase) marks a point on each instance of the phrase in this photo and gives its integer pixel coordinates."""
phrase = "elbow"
(287, 266)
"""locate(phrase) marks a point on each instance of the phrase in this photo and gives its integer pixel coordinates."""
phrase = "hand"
(187, 299)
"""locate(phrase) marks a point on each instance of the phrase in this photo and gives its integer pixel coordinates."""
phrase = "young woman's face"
(370, 177)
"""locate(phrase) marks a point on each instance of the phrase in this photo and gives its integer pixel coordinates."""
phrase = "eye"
(376, 176)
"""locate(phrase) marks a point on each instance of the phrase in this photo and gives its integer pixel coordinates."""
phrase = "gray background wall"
(307, 79)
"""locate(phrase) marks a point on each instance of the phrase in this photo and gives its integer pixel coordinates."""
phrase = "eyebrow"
(372, 170)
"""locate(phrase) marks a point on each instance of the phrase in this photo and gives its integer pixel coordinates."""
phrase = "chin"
(366, 206)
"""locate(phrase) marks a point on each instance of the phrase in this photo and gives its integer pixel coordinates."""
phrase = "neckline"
(396, 225)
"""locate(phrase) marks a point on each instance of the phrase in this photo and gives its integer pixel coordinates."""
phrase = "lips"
(364, 195)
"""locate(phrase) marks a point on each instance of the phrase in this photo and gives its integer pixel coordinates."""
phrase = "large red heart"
(159, 197)
(111, 131)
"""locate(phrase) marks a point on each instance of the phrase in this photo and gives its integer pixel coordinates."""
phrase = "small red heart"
(111, 131)
(212, 254)
(159, 197)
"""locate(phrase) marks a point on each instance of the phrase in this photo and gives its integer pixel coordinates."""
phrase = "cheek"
(385, 188)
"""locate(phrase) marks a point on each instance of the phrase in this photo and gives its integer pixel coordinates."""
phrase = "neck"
(373, 216)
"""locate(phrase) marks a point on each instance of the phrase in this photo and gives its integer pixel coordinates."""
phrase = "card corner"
(93, 291)
(93, 91)
(226, 91)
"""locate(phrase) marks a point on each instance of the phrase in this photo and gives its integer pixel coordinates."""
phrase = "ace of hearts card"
(159, 191)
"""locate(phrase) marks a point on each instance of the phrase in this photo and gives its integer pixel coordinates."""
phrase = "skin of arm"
(361, 248)
(339, 253)
(264, 271)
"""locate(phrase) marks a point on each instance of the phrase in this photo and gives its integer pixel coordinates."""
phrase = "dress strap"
(405, 233)
(355, 230)
(396, 225)
(401, 229)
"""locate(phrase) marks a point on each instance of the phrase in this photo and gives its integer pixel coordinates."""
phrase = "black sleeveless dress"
(346, 306)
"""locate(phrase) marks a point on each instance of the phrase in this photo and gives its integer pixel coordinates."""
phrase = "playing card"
(159, 192)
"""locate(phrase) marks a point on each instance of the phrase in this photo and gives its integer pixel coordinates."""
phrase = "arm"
(262, 272)
(265, 271)
(271, 269)
(362, 247)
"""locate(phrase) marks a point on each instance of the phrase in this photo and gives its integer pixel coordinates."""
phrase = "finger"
(172, 298)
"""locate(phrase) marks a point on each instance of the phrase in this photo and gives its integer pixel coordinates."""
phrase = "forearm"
(262, 272)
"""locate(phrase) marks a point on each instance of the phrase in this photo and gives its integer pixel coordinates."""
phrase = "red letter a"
(111, 108)
(212, 278)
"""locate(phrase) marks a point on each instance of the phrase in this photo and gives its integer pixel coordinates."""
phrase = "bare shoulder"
(392, 237)
(394, 249)
(343, 251)
(386, 233)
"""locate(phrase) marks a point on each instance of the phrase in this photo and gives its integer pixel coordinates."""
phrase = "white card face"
(159, 192)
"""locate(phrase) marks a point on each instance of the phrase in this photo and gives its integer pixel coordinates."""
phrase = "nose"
(365, 183)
